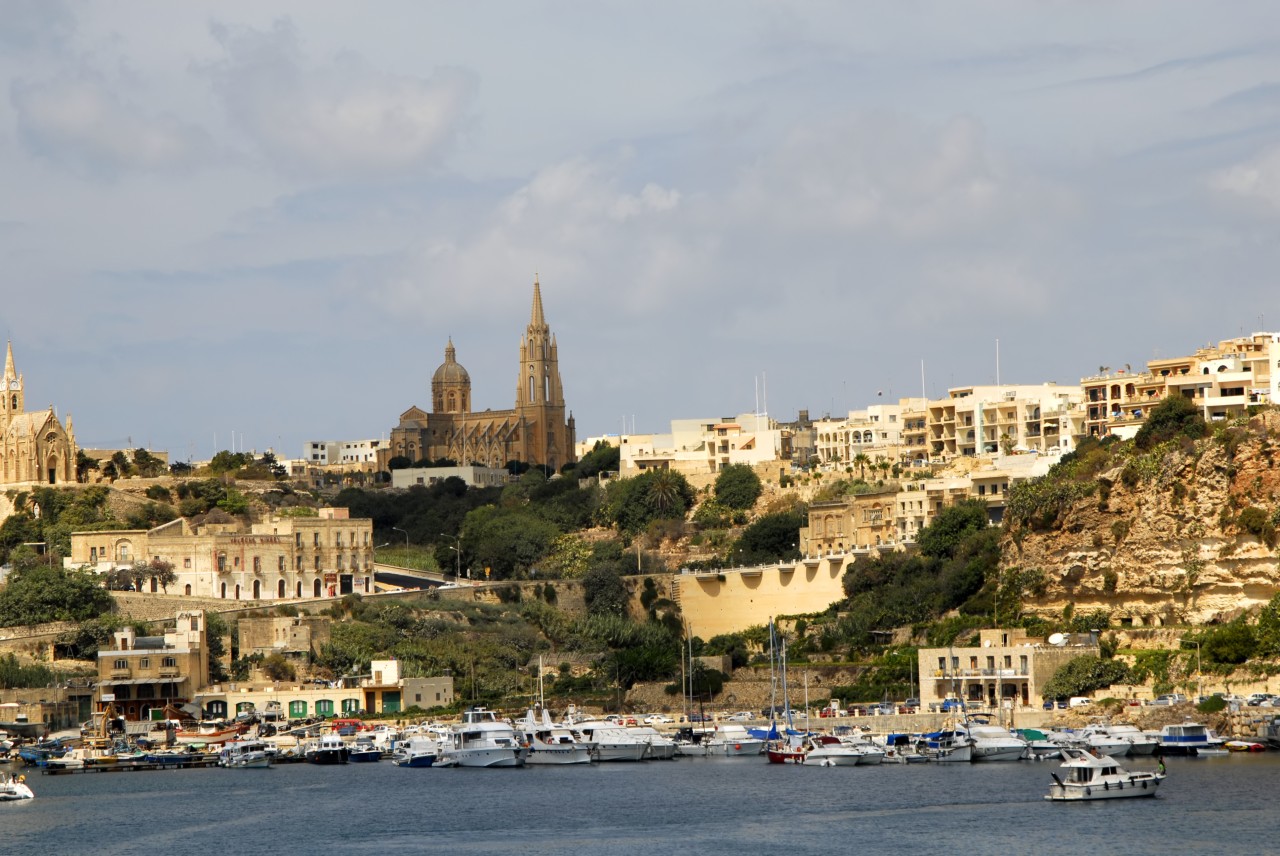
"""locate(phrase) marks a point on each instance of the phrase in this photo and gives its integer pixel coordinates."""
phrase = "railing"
(121, 673)
(982, 673)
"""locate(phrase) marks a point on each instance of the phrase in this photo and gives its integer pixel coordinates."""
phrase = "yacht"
(417, 751)
(14, 787)
(1138, 742)
(824, 751)
(869, 752)
(661, 747)
(993, 743)
(609, 741)
(482, 741)
(246, 754)
(1184, 739)
(1094, 776)
(552, 743)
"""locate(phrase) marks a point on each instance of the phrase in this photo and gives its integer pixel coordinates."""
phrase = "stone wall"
(730, 601)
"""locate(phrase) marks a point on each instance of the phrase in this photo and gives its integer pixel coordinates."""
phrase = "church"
(34, 447)
(534, 432)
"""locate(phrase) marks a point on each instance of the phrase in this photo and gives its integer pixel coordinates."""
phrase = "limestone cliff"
(1183, 533)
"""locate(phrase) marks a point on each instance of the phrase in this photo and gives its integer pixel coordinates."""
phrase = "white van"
(1079, 701)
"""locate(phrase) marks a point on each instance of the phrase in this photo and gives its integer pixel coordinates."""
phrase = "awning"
(132, 681)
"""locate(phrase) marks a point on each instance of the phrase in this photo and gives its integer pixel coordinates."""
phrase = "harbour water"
(725, 806)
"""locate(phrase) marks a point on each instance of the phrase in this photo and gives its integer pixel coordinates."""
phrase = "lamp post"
(457, 552)
(402, 532)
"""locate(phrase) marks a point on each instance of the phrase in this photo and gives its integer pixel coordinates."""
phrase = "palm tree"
(665, 495)
(862, 461)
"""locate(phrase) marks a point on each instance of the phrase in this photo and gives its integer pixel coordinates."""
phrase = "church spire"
(536, 319)
(9, 373)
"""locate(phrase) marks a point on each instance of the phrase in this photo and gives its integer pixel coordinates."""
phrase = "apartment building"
(988, 420)
(700, 446)
(142, 674)
(279, 558)
(1005, 666)
(867, 437)
(1224, 381)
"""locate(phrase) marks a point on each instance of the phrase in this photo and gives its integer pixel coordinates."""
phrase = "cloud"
(82, 124)
(340, 117)
(34, 24)
(1256, 180)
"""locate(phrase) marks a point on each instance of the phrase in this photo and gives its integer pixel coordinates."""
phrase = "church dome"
(450, 371)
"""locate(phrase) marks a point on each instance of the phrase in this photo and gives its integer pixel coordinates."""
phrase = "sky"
(264, 220)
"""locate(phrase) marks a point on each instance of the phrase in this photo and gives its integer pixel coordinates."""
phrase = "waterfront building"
(1005, 665)
(1223, 380)
(851, 523)
(537, 431)
(142, 674)
(34, 447)
(280, 558)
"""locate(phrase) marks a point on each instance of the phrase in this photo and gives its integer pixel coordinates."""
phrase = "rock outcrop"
(1184, 533)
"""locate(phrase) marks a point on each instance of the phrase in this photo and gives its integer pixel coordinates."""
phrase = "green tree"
(38, 592)
(653, 495)
(941, 538)
(738, 487)
(508, 541)
(861, 461)
(772, 537)
(84, 464)
(1082, 675)
(1176, 415)
(604, 593)
(278, 668)
(147, 465)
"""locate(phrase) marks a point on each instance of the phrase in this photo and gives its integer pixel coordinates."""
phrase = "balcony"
(169, 671)
(121, 674)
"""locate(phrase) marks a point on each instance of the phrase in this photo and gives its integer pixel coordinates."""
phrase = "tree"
(84, 463)
(399, 462)
(604, 593)
(146, 464)
(509, 541)
(861, 461)
(951, 527)
(278, 668)
(652, 495)
(39, 592)
(1176, 415)
(1082, 675)
(737, 487)
(772, 538)
(160, 571)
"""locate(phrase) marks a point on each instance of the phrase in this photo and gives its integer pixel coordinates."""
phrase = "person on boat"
(1160, 767)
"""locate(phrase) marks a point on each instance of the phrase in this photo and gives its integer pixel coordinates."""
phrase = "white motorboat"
(1099, 777)
(948, 747)
(733, 741)
(552, 743)
(482, 741)
(825, 751)
(364, 750)
(246, 754)
(611, 742)
(1186, 738)
(14, 787)
(417, 751)
(993, 743)
(869, 753)
(661, 747)
(1138, 742)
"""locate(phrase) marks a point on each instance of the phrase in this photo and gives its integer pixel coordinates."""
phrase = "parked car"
(1079, 701)
(913, 703)
(701, 717)
(1256, 699)
(952, 704)
(657, 719)
(741, 716)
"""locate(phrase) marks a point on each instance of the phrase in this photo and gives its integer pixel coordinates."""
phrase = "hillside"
(1173, 530)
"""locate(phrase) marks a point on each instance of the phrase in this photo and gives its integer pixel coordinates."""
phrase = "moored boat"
(1099, 777)
(417, 751)
(328, 749)
(363, 751)
(482, 741)
(1186, 738)
(246, 754)
(552, 743)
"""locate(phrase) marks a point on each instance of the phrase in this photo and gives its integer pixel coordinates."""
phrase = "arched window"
(224, 591)
(187, 589)
(280, 589)
(237, 591)
(257, 589)
(299, 594)
(316, 589)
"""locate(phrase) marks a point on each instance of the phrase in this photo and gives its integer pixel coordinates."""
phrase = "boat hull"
(494, 757)
(328, 756)
(1079, 793)
(415, 761)
(576, 754)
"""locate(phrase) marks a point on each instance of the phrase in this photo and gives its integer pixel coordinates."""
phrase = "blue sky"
(268, 217)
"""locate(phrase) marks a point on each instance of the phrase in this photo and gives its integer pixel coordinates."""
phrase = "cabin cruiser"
(1184, 739)
(247, 754)
(482, 741)
(609, 741)
(826, 751)
(1091, 776)
(1117, 740)
(363, 751)
(328, 749)
(948, 747)
(661, 747)
(417, 751)
(730, 740)
(552, 743)
(869, 752)
(993, 743)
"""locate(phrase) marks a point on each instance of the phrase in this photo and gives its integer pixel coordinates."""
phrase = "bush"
(737, 487)
(1213, 704)
(1082, 675)
(1176, 415)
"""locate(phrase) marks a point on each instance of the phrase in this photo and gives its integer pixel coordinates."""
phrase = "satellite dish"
(1058, 640)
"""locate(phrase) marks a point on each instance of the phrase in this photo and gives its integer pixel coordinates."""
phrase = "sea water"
(741, 806)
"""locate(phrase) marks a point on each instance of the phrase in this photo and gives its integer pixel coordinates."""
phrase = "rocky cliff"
(1182, 533)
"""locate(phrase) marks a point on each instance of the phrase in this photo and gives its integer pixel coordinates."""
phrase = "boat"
(1244, 746)
(948, 747)
(417, 751)
(661, 747)
(482, 741)
(551, 742)
(245, 754)
(609, 741)
(363, 751)
(14, 788)
(733, 741)
(1186, 738)
(1092, 776)
(993, 743)
(328, 749)
(826, 751)
(1041, 745)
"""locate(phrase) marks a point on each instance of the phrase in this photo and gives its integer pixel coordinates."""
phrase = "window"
(222, 563)
(280, 564)
(297, 709)
(186, 563)
(169, 663)
(120, 664)
(315, 539)
(324, 707)
(237, 561)
(317, 563)
(299, 563)
(257, 565)
(144, 663)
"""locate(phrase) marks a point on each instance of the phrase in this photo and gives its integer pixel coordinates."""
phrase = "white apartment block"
(989, 420)
(700, 446)
(879, 433)
(324, 453)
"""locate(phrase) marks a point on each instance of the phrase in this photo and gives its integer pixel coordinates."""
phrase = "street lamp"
(457, 552)
(402, 532)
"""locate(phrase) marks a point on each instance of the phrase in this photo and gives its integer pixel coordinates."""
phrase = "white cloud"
(1257, 179)
(340, 117)
(81, 123)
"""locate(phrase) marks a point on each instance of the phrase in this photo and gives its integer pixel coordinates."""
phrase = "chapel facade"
(537, 431)
(34, 447)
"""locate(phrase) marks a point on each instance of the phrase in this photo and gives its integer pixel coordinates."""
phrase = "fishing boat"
(328, 749)
(417, 751)
(363, 751)
(1099, 777)
(1186, 738)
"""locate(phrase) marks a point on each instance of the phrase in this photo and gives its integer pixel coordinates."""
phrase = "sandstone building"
(34, 447)
(535, 431)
